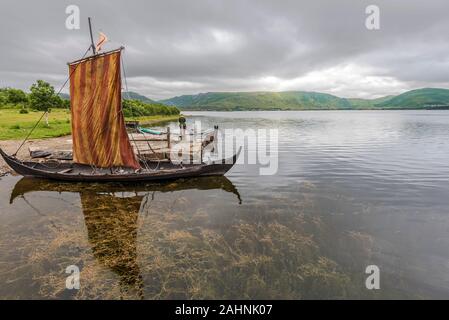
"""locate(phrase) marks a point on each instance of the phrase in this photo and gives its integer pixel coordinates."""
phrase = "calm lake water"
(353, 189)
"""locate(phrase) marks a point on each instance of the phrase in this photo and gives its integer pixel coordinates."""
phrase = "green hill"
(288, 100)
(132, 96)
(136, 96)
(417, 99)
(300, 100)
(64, 96)
(358, 103)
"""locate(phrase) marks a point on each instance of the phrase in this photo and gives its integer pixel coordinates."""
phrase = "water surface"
(353, 188)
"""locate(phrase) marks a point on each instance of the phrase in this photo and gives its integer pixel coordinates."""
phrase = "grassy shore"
(15, 126)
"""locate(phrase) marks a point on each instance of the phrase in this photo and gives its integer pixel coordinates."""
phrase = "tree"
(136, 108)
(65, 104)
(3, 97)
(43, 98)
(16, 96)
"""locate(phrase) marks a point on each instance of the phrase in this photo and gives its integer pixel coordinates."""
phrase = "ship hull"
(85, 173)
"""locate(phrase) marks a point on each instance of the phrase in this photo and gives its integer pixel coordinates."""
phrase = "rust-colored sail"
(98, 127)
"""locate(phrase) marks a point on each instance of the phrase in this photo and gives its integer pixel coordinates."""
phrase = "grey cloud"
(183, 47)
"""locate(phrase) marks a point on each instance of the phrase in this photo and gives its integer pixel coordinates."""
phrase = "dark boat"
(102, 150)
(70, 171)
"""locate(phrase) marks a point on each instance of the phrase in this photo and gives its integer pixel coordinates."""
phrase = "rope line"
(142, 158)
(46, 111)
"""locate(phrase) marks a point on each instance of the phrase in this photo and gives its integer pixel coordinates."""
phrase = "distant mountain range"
(64, 96)
(300, 100)
(125, 95)
(135, 96)
(426, 98)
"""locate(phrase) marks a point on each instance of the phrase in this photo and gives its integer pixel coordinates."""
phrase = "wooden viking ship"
(102, 150)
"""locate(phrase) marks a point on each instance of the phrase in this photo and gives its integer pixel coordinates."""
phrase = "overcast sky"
(187, 47)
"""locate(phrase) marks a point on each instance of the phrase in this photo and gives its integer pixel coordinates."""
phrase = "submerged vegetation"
(137, 246)
(19, 111)
(163, 244)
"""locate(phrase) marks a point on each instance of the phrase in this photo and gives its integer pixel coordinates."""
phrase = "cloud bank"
(187, 47)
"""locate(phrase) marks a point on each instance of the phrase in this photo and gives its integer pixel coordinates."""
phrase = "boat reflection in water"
(26, 185)
(111, 215)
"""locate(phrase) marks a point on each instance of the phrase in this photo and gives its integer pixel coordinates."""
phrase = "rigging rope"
(124, 77)
(46, 111)
(144, 161)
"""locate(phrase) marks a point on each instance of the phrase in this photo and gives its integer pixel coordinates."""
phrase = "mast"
(91, 37)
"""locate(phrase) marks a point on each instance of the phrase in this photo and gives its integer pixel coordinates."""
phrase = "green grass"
(15, 126)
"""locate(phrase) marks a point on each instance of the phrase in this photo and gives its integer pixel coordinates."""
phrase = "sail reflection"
(111, 216)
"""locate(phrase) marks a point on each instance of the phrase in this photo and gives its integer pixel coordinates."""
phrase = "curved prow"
(6, 157)
(14, 163)
(236, 156)
(3, 153)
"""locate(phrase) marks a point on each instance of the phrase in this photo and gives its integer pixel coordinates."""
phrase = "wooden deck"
(148, 146)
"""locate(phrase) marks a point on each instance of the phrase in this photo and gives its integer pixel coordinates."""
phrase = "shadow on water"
(111, 214)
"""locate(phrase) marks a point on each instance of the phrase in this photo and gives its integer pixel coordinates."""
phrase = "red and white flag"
(101, 41)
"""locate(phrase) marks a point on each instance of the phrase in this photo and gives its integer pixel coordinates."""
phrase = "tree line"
(136, 108)
(42, 97)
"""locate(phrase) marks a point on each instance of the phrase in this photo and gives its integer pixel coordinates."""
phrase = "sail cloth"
(98, 127)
